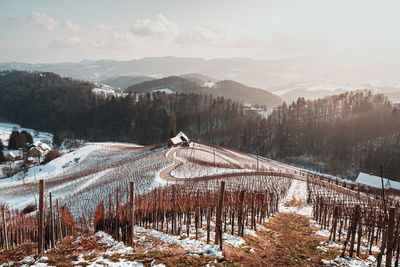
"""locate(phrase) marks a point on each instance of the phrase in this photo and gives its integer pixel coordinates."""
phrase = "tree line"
(338, 134)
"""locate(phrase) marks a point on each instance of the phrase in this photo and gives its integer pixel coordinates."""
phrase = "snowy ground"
(78, 178)
(5, 131)
(296, 199)
(7, 128)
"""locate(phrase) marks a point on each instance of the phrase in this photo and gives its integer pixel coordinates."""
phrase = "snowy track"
(296, 199)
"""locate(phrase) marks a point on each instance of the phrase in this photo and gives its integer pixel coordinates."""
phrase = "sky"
(59, 31)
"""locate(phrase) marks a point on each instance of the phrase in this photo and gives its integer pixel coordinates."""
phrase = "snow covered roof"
(182, 136)
(176, 140)
(375, 181)
(42, 146)
(12, 153)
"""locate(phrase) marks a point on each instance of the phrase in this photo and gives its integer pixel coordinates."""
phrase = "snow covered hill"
(107, 91)
(78, 175)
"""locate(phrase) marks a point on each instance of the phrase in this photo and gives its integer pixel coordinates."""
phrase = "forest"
(339, 134)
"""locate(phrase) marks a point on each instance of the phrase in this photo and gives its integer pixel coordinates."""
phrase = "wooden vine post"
(131, 211)
(117, 215)
(174, 231)
(4, 227)
(41, 219)
(354, 230)
(389, 249)
(52, 232)
(218, 232)
(351, 233)
(240, 215)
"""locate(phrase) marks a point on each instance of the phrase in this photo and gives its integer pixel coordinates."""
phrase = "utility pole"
(257, 158)
(383, 190)
(214, 154)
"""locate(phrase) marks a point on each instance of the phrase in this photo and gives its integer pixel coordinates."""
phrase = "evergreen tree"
(13, 140)
(28, 137)
(173, 125)
(2, 158)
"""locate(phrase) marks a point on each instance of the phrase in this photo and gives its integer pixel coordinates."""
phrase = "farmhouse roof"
(43, 146)
(375, 181)
(176, 140)
(182, 136)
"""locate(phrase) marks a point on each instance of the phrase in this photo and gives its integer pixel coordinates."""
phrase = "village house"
(38, 149)
(180, 139)
(13, 155)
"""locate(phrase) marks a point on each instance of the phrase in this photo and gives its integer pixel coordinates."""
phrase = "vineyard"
(209, 194)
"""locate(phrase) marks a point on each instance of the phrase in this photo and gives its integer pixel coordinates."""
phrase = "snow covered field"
(79, 177)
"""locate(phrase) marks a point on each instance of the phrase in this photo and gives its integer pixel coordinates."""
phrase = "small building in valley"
(38, 149)
(12, 155)
(180, 139)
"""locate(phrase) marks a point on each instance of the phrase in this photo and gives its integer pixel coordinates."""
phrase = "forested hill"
(229, 89)
(337, 134)
(123, 82)
(43, 100)
(340, 134)
(241, 92)
(47, 102)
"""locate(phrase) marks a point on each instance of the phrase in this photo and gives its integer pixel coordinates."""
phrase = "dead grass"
(18, 253)
(294, 203)
(290, 242)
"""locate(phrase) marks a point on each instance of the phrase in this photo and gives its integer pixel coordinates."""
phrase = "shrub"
(53, 154)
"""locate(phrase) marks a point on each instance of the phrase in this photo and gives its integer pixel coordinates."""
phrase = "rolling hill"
(228, 89)
(125, 81)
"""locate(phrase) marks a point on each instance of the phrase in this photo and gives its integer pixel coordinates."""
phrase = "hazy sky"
(55, 31)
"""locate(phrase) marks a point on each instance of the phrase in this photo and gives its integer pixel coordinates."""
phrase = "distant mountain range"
(194, 84)
(290, 78)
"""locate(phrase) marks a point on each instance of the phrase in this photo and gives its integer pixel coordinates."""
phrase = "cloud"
(158, 27)
(115, 41)
(101, 27)
(61, 42)
(43, 21)
(70, 26)
(219, 34)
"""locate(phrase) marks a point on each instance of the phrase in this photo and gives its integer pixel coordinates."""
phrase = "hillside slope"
(227, 89)
(240, 92)
(279, 232)
(123, 82)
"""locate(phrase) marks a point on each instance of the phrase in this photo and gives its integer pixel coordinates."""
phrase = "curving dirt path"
(166, 172)
(285, 171)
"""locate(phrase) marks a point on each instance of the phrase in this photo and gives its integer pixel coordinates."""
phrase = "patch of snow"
(265, 113)
(209, 84)
(188, 244)
(298, 190)
(113, 245)
(323, 232)
(282, 92)
(354, 262)
(164, 90)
